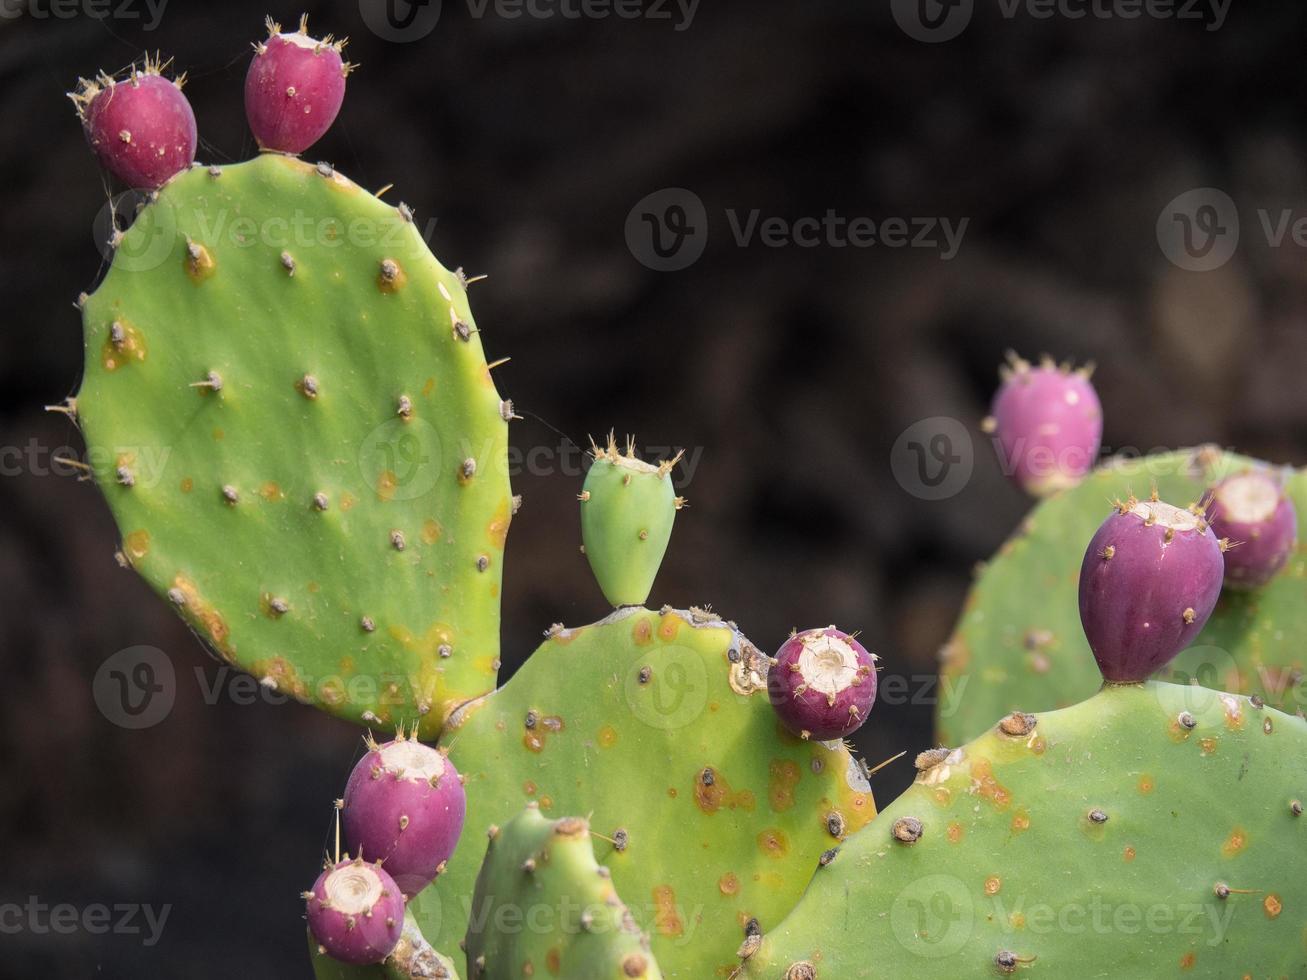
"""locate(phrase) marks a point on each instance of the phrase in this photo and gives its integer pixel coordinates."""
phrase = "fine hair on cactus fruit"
(355, 912)
(1149, 581)
(294, 88)
(1252, 511)
(141, 127)
(1047, 424)
(404, 805)
(822, 684)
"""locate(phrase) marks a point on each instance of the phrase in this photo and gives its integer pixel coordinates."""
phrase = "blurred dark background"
(793, 370)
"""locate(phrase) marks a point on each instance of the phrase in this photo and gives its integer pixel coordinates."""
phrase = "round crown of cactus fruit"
(627, 510)
(141, 127)
(355, 912)
(1047, 424)
(823, 684)
(404, 805)
(294, 88)
(1252, 511)
(1149, 581)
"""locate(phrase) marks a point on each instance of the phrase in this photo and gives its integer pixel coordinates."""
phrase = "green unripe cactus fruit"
(287, 406)
(542, 874)
(627, 510)
(1154, 830)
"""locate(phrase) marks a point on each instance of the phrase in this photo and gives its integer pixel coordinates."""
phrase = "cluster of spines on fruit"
(402, 813)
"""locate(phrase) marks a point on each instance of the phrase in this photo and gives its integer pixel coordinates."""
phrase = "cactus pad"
(542, 902)
(288, 408)
(1151, 831)
(1019, 642)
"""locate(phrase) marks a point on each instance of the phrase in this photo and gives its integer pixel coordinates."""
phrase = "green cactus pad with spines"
(413, 959)
(1151, 831)
(627, 510)
(545, 906)
(287, 405)
(1019, 643)
(656, 725)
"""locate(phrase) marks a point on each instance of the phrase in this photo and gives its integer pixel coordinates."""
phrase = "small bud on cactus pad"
(1148, 582)
(1255, 516)
(294, 88)
(404, 805)
(823, 684)
(355, 912)
(141, 128)
(1047, 424)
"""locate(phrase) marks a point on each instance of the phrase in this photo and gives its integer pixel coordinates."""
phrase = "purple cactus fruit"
(1047, 424)
(294, 88)
(355, 912)
(404, 805)
(141, 128)
(822, 684)
(1149, 580)
(1253, 513)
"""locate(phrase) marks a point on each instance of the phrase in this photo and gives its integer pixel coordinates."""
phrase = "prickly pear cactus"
(1151, 830)
(287, 405)
(1019, 641)
(413, 959)
(710, 816)
(543, 903)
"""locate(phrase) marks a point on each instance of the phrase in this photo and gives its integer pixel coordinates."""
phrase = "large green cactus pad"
(1151, 831)
(544, 905)
(656, 726)
(1019, 644)
(287, 405)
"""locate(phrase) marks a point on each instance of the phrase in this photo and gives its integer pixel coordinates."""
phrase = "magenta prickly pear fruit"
(1047, 424)
(822, 684)
(1253, 513)
(294, 88)
(355, 912)
(1149, 580)
(141, 128)
(404, 805)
